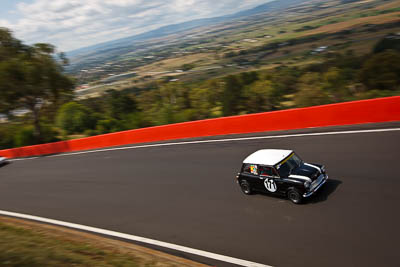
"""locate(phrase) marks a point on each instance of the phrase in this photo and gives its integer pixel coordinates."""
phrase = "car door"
(269, 181)
(280, 183)
(251, 175)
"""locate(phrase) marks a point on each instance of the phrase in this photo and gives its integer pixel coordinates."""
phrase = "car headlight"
(307, 184)
(323, 169)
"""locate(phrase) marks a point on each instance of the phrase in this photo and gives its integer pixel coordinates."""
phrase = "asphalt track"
(186, 195)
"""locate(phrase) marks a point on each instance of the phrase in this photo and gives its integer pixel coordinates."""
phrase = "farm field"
(256, 42)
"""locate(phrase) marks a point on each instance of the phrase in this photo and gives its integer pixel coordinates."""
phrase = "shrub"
(107, 126)
(75, 118)
(7, 133)
(25, 136)
(382, 71)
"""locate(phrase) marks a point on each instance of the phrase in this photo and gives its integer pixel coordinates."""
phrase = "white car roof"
(267, 156)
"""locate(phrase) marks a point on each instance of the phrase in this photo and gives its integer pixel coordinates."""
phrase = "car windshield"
(285, 168)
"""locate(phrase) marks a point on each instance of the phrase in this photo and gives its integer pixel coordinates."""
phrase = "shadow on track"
(4, 164)
(323, 193)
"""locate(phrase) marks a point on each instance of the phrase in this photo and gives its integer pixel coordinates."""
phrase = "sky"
(72, 24)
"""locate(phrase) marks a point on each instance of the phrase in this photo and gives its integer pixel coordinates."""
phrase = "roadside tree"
(382, 71)
(75, 118)
(30, 78)
(231, 97)
(310, 92)
(259, 97)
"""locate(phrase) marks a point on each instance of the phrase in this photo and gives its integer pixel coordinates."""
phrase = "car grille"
(317, 181)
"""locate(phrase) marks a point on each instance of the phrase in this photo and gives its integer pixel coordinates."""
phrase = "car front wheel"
(294, 196)
(245, 186)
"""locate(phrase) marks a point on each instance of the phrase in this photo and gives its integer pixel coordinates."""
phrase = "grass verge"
(25, 243)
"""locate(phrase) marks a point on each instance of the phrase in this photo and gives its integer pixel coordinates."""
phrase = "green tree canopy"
(260, 96)
(119, 103)
(206, 99)
(382, 71)
(30, 77)
(75, 118)
(334, 83)
(310, 91)
(9, 46)
(231, 95)
(389, 42)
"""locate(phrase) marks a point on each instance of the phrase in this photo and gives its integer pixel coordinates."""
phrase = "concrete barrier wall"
(356, 112)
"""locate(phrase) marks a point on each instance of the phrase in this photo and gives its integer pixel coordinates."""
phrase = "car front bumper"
(314, 187)
(3, 160)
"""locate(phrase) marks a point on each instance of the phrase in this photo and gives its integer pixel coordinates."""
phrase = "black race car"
(280, 172)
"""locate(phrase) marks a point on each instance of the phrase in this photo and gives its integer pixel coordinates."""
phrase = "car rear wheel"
(245, 186)
(294, 196)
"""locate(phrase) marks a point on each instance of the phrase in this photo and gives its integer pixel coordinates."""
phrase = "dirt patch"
(340, 26)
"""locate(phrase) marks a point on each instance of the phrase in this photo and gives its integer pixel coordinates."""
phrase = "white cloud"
(70, 24)
(5, 23)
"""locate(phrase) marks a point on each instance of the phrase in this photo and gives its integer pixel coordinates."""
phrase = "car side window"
(250, 168)
(266, 171)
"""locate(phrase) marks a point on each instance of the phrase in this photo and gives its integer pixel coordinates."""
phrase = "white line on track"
(136, 238)
(219, 141)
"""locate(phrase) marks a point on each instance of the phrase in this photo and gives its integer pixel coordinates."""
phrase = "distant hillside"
(176, 28)
(267, 7)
